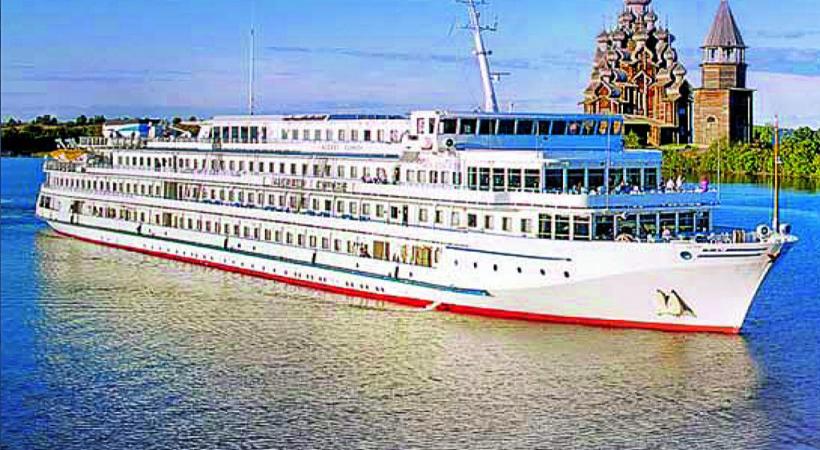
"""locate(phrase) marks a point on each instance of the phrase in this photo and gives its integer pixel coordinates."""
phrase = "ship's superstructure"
(535, 216)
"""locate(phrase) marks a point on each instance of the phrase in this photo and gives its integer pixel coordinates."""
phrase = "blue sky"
(184, 57)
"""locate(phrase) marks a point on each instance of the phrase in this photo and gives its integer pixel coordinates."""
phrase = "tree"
(192, 119)
(98, 120)
(81, 120)
(632, 140)
(176, 121)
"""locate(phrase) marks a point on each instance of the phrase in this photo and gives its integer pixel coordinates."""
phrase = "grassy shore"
(799, 155)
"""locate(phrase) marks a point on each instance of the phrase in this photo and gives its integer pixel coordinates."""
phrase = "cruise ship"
(544, 217)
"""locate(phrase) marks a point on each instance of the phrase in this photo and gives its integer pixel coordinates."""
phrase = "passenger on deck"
(704, 184)
(670, 185)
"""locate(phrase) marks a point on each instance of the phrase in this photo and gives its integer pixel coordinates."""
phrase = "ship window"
(498, 179)
(514, 180)
(506, 224)
(455, 219)
(354, 135)
(627, 225)
(702, 222)
(341, 135)
(472, 220)
(488, 222)
(486, 126)
(668, 222)
(575, 180)
(686, 222)
(617, 127)
(615, 177)
(650, 178)
(419, 126)
(603, 127)
(422, 215)
(633, 176)
(562, 227)
(574, 128)
(448, 126)
(294, 134)
(506, 126)
(544, 226)
(588, 127)
(368, 135)
(317, 135)
(596, 178)
(526, 225)
(467, 126)
(524, 127)
(532, 180)
(472, 178)
(431, 126)
(544, 127)
(581, 228)
(648, 225)
(559, 127)
(439, 216)
(554, 180)
(484, 178)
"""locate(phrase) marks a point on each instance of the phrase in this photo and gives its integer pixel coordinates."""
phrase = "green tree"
(631, 140)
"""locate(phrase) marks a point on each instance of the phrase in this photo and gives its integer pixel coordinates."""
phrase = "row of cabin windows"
(609, 227)
(147, 189)
(298, 169)
(586, 180)
(420, 255)
(503, 179)
(251, 134)
(252, 166)
(530, 127)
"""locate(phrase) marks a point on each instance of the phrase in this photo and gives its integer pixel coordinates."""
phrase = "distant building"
(132, 128)
(723, 105)
(636, 72)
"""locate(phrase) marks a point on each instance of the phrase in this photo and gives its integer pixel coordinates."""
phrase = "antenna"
(490, 102)
(252, 65)
(776, 181)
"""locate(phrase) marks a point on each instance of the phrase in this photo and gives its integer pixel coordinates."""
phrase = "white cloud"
(793, 97)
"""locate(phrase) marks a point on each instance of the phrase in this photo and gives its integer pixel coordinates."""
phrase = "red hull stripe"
(458, 309)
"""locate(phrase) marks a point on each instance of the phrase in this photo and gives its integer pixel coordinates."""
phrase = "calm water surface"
(107, 349)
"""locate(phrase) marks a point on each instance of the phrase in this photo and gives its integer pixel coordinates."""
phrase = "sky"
(190, 57)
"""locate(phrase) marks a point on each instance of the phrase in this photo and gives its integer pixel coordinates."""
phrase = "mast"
(251, 71)
(481, 53)
(776, 170)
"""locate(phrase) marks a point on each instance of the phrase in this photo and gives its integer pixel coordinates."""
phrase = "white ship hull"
(609, 284)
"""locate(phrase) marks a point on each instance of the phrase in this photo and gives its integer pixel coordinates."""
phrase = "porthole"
(495, 267)
(543, 272)
(455, 263)
(686, 256)
(475, 265)
(519, 270)
(566, 274)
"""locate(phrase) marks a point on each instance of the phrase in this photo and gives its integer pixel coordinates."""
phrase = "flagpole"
(776, 170)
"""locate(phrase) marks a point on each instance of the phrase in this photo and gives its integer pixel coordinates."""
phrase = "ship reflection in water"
(137, 351)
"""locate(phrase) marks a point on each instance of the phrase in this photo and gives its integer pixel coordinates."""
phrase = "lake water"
(107, 349)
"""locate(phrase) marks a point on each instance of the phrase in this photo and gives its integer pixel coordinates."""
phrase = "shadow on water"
(126, 342)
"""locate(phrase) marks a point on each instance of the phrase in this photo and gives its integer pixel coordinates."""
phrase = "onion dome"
(679, 71)
(603, 37)
(670, 54)
(650, 16)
